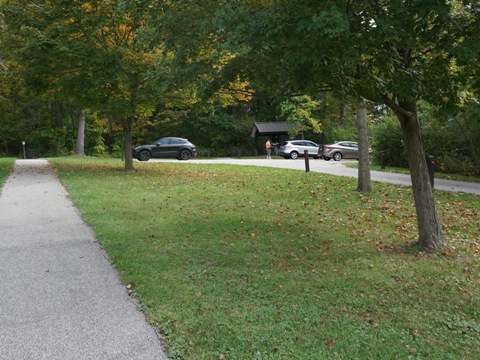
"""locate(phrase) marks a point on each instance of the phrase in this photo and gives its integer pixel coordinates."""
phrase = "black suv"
(168, 147)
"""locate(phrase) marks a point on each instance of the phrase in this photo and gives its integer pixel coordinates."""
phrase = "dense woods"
(95, 77)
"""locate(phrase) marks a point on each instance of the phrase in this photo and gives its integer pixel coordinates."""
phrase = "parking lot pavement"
(60, 297)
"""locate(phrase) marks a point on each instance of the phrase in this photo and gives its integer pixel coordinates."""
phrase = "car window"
(309, 143)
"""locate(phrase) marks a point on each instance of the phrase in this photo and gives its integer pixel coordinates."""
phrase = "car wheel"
(337, 156)
(294, 155)
(185, 155)
(144, 155)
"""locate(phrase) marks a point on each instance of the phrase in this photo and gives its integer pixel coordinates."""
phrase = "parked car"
(167, 147)
(341, 150)
(292, 149)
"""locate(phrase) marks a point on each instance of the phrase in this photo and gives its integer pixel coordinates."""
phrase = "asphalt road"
(337, 168)
(59, 297)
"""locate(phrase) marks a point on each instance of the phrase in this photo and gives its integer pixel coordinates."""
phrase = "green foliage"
(388, 138)
(91, 54)
(261, 263)
(340, 133)
(47, 126)
(298, 112)
(94, 136)
(451, 137)
(220, 133)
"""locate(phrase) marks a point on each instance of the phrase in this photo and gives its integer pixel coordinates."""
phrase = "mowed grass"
(6, 167)
(237, 262)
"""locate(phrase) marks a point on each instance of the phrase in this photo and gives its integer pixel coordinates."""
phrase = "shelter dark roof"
(269, 128)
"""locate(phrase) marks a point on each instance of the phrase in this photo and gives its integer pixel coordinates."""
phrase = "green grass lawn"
(6, 167)
(259, 263)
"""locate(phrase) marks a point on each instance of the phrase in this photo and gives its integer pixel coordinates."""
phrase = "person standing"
(268, 147)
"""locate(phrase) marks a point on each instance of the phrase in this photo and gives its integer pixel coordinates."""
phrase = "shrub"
(388, 138)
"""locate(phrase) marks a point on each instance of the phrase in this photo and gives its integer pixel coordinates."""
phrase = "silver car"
(292, 149)
(340, 150)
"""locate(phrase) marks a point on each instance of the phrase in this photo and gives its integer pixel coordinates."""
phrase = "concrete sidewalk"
(59, 296)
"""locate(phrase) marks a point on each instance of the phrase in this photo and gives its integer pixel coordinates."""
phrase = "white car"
(292, 149)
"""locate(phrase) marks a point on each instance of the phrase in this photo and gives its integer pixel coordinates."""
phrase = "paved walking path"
(59, 296)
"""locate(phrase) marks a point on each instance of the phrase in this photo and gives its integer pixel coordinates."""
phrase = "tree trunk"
(80, 147)
(343, 116)
(127, 147)
(431, 236)
(364, 180)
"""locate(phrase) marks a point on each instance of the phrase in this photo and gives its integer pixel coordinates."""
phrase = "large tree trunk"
(431, 236)
(364, 180)
(127, 147)
(80, 147)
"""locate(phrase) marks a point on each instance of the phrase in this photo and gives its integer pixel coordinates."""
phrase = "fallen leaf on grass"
(412, 350)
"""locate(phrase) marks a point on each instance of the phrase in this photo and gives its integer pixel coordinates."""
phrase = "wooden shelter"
(277, 132)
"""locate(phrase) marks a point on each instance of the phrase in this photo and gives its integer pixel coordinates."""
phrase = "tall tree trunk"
(364, 180)
(430, 232)
(127, 147)
(343, 115)
(80, 147)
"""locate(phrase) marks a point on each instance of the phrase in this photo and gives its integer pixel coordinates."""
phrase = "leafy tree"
(298, 111)
(95, 54)
(392, 52)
